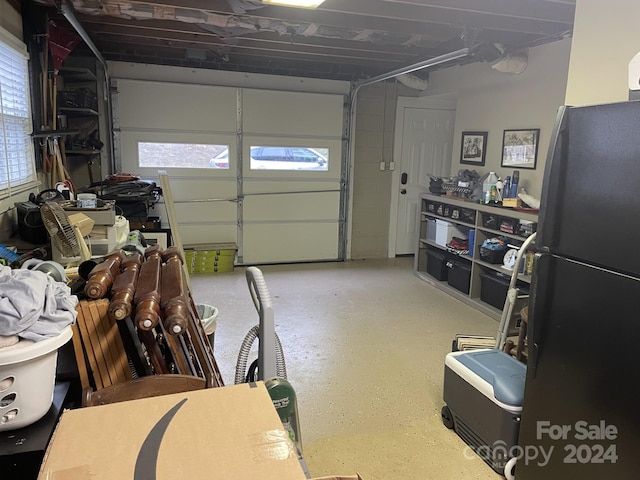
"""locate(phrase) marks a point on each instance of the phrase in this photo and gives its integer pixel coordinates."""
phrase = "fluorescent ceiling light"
(295, 3)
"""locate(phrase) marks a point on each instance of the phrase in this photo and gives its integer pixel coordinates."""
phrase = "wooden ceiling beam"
(104, 39)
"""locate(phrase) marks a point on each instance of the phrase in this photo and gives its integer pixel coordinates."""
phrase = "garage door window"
(289, 158)
(183, 155)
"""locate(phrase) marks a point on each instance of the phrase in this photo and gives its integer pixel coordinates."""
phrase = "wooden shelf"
(78, 112)
(77, 74)
(478, 266)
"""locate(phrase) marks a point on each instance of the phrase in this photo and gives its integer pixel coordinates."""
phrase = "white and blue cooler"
(483, 393)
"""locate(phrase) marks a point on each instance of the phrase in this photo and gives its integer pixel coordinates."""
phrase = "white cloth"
(33, 305)
(7, 341)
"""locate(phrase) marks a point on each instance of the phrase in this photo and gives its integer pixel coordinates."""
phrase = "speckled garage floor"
(364, 344)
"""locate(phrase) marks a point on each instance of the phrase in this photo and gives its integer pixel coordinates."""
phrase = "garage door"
(258, 168)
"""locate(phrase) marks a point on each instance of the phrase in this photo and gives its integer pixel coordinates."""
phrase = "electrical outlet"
(382, 166)
(392, 165)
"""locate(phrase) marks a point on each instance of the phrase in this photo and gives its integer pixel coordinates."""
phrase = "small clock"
(509, 260)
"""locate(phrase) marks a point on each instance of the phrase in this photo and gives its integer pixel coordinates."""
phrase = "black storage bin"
(494, 287)
(432, 207)
(460, 274)
(492, 256)
(509, 225)
(437, 264)
(490, 220)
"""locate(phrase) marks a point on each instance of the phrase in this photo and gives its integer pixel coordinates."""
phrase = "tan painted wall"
(490, 101)
(606, 37)
(375, 122)
(10, 19)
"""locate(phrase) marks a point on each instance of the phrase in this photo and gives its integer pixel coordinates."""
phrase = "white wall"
(606, 37)
(491, 101)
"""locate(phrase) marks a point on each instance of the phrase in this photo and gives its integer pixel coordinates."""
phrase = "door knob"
(403, 179)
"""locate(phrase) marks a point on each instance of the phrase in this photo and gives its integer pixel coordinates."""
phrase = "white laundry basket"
(27, 380)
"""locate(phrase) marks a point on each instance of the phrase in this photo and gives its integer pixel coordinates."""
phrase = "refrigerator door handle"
(537, 311)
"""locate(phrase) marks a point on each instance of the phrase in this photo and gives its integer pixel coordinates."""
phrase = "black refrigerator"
(581, 411)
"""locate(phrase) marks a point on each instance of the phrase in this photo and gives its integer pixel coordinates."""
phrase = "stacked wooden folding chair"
(138, 334)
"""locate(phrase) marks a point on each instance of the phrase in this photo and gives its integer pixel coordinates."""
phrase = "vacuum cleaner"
(270, 365)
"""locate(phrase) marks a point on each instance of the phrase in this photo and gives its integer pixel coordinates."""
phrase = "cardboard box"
(230, 432)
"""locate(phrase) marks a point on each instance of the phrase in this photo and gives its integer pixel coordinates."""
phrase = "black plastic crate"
(491, 220)
(508, 225)
(432, 207)
(459, 274)
(463, 214)
(437, 264)
(494, 287)
(492, 256)
(526, 229)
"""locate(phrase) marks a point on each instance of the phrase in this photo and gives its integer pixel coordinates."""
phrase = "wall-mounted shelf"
(470, 216)
(78, 112)
(77, 74)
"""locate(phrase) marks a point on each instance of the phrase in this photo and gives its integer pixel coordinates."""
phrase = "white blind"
(16, 147)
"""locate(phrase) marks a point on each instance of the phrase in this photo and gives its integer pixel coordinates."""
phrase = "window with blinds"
(16, 147)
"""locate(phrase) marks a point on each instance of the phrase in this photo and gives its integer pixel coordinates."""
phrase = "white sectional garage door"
(258, 168)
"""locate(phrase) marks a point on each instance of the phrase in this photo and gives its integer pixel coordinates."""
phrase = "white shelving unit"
(472, 216)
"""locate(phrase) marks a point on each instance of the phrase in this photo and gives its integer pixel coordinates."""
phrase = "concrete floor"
(364, 344)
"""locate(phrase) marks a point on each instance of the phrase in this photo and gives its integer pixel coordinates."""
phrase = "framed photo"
(473, 149)
(520, 148)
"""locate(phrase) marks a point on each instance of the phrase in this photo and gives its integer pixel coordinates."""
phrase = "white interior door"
(425, 149)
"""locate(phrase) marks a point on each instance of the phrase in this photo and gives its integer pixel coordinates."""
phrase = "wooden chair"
(104, 366)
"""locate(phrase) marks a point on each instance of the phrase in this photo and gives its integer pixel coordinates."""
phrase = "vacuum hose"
(245, 348)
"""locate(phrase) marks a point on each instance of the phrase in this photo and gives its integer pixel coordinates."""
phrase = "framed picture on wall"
(520, 148)
(473, 149)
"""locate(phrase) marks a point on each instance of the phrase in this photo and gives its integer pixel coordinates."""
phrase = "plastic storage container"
(459, 274)
(27, 381)
(437, 264)
(494, 287)
(445, 231)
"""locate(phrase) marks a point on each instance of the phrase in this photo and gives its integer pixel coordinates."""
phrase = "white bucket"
(27, 381)
(87, 200)
(209, 318)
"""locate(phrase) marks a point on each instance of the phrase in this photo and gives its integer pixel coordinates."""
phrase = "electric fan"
(67, 232)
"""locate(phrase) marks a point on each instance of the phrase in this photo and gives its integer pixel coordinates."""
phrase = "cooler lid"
(503, 372)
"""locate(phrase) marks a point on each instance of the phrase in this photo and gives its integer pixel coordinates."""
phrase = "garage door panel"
(170, 106)
(184, 189)
(292, 207)
(208, 233)
(292, 113)
(206, 211)
(289, 242)
(284, 215)
(252, 187)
